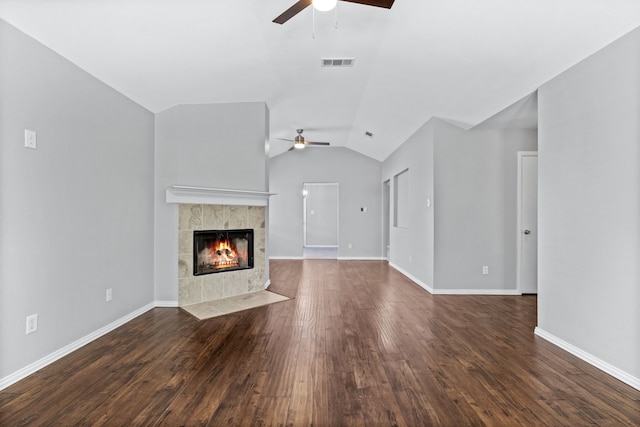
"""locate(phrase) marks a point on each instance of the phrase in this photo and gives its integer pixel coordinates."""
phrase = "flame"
(222, 255)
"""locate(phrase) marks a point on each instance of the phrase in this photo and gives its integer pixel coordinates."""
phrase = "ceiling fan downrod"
(313, 19)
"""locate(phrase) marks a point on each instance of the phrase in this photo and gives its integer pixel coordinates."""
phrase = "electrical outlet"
(410, 258)
(32, 323)
(350, 246)
(109, 294)
(30, 139)
(485, 269)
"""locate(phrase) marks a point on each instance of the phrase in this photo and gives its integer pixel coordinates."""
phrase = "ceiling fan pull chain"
(336, 8)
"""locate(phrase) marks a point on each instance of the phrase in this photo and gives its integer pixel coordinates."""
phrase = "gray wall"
(188, 138)
(360, 186)
(412, 248)
(589, 205)
(76, 215)
(470, 177)
(476, 209)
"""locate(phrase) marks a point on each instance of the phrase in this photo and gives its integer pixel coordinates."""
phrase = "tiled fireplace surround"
(206, 214)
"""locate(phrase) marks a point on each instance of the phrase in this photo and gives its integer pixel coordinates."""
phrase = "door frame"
(386, 218)
(519, 238)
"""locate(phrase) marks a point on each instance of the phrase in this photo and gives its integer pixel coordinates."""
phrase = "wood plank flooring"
(359, 345)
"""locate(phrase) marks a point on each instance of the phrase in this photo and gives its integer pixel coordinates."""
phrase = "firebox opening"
(215, 251)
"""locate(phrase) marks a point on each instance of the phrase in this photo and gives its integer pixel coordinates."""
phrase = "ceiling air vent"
(338, 62)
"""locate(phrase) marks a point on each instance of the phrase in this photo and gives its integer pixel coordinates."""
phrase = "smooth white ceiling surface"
(461, 60)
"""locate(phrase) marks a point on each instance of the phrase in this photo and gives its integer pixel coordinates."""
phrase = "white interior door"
(320, 214)
(528, 222)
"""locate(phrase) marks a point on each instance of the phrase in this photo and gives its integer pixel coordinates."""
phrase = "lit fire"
(222, 255)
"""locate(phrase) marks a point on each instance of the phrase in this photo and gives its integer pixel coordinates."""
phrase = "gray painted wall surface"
(360, 186)
(411, 249)
(476, 210)
(589, 205)
(76, 215)
(205, 145)
(472, 219)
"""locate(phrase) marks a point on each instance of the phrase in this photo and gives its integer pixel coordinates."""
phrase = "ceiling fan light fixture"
(299, 142)
(324, 5)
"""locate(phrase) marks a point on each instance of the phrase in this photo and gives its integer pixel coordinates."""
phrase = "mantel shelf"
(216, 196)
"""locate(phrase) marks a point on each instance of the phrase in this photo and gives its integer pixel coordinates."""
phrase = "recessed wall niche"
(401, 199)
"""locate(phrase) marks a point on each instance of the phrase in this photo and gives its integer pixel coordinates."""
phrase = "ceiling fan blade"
(292, 11)
(378, 3)
(316, 143)
(284, 139)
(292, 148)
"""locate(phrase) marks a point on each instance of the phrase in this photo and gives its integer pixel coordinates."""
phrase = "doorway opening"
(320, 220)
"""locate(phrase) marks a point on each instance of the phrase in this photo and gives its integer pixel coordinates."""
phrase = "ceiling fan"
(300, 5)
(299, 142)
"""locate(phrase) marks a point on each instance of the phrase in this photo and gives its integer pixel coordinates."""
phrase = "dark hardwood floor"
(358, 345)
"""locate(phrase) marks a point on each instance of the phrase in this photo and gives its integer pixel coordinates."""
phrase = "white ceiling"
(461, 60)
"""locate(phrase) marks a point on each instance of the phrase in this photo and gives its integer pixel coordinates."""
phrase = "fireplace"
(194, 218)
(216, 251)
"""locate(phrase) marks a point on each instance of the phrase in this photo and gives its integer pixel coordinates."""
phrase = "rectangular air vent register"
(337, 62)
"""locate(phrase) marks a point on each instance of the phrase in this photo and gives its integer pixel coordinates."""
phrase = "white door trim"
(386, 218)
(519, 239)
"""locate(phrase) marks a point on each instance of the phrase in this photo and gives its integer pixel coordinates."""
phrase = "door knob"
(527, 231)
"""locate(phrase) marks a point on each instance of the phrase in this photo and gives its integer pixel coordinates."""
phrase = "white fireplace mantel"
(216, 196)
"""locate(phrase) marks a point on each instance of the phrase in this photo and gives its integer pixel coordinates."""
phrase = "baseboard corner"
(411, 277)
(163, 304)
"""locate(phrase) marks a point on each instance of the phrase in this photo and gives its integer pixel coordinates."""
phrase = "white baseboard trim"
(476, 292)
(412, 278)
(58, 354)
(356, 258)
(455, 291)
(590, 359)
(166, 304)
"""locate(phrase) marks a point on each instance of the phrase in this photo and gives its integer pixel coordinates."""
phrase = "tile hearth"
(209, 309)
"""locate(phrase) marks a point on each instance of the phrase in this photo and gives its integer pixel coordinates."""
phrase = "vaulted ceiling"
(461, 60)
